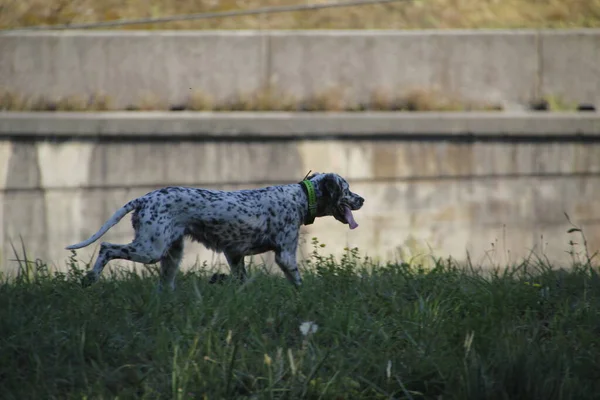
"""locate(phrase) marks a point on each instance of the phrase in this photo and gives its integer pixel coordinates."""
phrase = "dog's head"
(335, 198)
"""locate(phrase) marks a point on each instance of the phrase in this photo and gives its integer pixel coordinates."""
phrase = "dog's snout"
(359, 200)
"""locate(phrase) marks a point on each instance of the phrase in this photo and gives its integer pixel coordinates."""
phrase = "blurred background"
(469, 126)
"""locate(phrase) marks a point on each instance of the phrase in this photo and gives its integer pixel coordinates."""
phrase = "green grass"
(384, 331)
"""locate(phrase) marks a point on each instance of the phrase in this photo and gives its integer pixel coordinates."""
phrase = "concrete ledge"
(306, 125)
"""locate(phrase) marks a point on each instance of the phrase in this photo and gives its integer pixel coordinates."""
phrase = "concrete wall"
(507, 67)
(442, 183)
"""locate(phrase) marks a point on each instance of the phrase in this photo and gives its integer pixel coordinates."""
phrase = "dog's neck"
(310, 191)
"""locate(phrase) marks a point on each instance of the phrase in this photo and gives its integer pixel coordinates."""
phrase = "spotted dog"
(237, 223)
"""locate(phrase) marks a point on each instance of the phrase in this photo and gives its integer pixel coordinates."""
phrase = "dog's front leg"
(286, 260)
(236, 263)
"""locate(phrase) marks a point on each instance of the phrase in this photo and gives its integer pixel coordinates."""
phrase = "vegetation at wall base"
(355, 330)
(330, 99)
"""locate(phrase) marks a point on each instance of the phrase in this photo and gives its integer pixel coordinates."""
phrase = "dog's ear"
(331, 187)
(309, 177)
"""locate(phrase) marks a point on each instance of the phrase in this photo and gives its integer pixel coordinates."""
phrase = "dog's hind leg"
(134, 251)
(169, 264)
(236, 263)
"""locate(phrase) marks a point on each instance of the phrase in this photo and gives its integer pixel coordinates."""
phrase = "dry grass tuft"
(150, 102)
(264, 99)
(416, 14)
(10, 101)
(199, 101)
(329, 99)
(433, 100)
(425, 99)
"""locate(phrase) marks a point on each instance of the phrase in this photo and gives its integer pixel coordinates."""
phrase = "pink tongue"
(350, 218)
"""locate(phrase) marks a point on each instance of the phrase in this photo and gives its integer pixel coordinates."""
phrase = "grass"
(416, 14)
(355, 330)
(331, 99)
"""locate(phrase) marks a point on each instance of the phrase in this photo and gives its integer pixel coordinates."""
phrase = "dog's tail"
(117, 216)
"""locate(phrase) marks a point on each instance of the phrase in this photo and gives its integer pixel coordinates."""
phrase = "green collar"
(309, 189)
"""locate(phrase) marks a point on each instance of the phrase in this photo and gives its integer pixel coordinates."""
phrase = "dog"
(236, 223)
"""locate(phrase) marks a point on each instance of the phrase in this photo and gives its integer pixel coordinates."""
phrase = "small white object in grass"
(308, 327)
(388, 370)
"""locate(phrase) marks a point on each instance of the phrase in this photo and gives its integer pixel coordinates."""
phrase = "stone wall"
(504, 67)
(434, 183)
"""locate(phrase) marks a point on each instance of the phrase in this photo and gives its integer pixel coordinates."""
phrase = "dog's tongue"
(350, 218)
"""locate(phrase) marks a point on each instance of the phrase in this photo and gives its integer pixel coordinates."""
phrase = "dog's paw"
(219, 278)
(89, 279)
